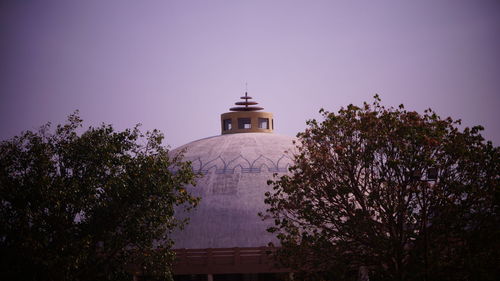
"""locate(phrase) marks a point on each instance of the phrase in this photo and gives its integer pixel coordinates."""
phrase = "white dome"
(236, 168)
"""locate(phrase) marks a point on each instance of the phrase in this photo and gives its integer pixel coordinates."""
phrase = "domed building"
(225, 238)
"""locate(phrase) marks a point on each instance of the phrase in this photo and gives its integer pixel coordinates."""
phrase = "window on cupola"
(244, 123)
(227, 125)
(264, 123)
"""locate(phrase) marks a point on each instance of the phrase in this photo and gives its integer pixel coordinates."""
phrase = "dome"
(235, 168)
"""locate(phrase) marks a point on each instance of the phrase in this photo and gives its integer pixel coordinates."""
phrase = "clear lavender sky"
(177, 65)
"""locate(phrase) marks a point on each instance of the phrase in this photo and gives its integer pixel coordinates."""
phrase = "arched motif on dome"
(257, 164)
(251, 153)
(283, 164)
(285, 169)
(261, 164)
(218, 165)
(196, 165)
(240, 161)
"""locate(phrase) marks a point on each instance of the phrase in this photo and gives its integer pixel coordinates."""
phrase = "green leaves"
(83, 206)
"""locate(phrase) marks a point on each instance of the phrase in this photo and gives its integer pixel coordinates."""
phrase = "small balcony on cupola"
(246, 118)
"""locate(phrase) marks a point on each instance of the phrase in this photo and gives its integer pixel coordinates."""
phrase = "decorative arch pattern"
(261, 164)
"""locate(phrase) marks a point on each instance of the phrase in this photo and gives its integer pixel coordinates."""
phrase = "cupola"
(246, 118)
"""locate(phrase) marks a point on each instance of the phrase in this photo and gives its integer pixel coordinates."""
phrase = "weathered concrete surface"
(236, 168)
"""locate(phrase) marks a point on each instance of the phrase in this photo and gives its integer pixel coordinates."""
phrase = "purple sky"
(177, 65)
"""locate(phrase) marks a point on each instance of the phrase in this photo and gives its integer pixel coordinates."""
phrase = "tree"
(90, 206)
(390, 192)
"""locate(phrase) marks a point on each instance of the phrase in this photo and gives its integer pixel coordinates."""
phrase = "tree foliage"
(402, 195)
(94, 205)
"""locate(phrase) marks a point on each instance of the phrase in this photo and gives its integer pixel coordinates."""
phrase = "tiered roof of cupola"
(246, 105)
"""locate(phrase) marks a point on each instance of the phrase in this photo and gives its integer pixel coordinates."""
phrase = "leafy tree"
(94, 205)
(390, 192)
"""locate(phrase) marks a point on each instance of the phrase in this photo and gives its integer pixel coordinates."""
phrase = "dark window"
(227, 124)
(264, 123)
(244, 123)
(272, 124)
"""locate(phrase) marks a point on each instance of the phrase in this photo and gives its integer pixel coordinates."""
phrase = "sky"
(177, 65)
